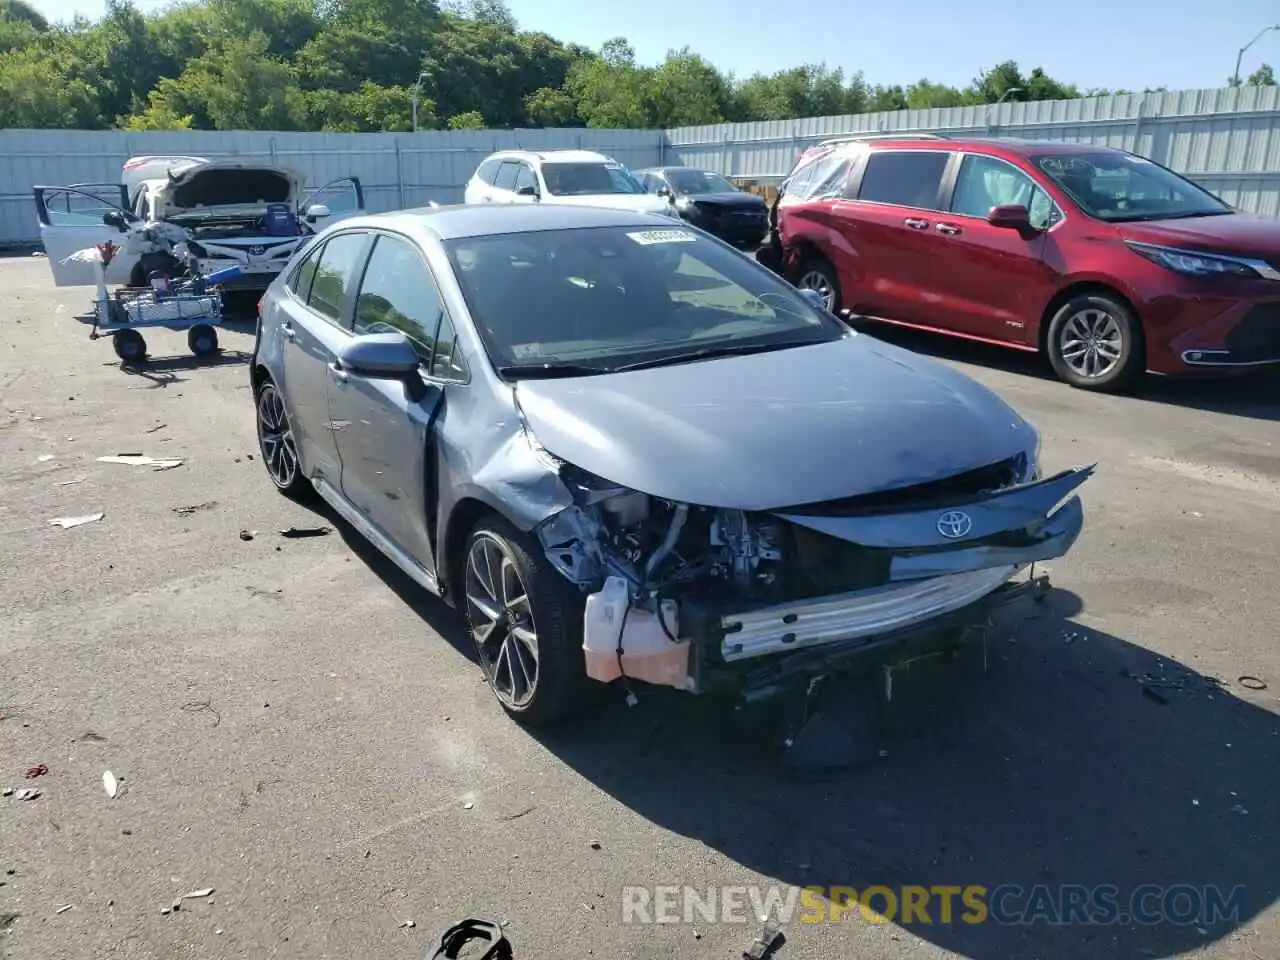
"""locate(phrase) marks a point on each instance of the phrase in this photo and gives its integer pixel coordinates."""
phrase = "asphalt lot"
(298, 730)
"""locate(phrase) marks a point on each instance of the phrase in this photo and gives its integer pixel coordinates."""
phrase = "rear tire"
(817, 273)
(203, 340)
(277, 445)
(129, 346)
(526, 623)
(1095, 342)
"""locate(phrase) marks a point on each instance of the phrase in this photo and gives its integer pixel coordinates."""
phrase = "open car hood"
(775, 430)
(223, 183)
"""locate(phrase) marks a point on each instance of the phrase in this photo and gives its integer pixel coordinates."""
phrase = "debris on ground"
(468, 805)
(196, 706)
(407, 924)
(141, 460)
(67, 483)
(63, 909)
(26, 793)
(66, 523)
(195, 508)
(177, 905)
(595, 844)
(44, 458)
(247, 534)
(90, 736)
(158, 427)
(110, 784)
(1239, 808)
(762, 946)
(197, 894)
(298, 533)
(39, 770)
(1253, 683)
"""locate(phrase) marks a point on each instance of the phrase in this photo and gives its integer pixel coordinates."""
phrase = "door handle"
(288, 331)
(950, 229)
(337, 372)
(915, 223)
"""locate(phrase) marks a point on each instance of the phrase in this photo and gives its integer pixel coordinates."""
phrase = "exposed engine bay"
(747, 584)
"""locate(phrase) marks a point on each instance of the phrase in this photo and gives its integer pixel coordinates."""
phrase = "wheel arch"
(1082, 288)
(463, 517)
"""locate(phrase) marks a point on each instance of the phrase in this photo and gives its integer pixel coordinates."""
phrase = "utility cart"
(192, 304)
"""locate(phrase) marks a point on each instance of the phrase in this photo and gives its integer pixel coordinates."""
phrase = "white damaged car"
(174, 213)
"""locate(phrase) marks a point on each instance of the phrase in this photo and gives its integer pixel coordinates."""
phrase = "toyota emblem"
(257, 251)
(954, 524)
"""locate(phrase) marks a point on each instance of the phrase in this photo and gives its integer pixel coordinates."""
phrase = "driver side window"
(985, 182)
(398, 293)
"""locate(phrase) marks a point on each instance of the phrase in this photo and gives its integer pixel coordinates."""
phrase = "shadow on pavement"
(1078, 758)
(1055, 756)
(1256, 397)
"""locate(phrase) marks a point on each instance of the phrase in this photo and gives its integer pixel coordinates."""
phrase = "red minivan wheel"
(1095, 343)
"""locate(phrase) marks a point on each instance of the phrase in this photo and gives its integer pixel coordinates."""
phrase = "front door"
(315, 327)
(343, 198)
(991, 281)
(386, 437)
(71, 220)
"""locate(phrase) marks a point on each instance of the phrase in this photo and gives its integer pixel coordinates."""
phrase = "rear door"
(887, 221)
(71, 220)
(993, 282)
(504, 182)
(343, 197)
(315, 325)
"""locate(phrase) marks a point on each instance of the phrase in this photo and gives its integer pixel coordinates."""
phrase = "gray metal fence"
(1227, 140)
(396, 170)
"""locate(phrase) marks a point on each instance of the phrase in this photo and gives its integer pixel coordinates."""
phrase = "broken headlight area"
(676, 592)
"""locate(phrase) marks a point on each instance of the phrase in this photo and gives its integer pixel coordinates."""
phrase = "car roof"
(459, 221)
(561, 156)
(1011, 145)
(675, 167)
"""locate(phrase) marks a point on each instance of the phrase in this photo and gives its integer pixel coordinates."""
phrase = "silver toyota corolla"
(629, 453)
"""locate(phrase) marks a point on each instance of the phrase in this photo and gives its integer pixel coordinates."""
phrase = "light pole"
(1235, 77)
(417, 91)
(992, 106)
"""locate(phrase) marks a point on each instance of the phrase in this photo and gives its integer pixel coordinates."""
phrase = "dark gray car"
(621, 447)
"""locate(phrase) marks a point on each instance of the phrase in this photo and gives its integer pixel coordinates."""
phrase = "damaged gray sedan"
(627, 452)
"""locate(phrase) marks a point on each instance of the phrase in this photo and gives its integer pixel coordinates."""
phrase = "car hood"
(736, 199)
(639, 202)
(222, 183)
(1238, 233)
(774, 430)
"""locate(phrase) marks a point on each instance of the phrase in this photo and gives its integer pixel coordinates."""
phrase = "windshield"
(1119, 187)
(581, 179)
(596, 299)
(697, 182)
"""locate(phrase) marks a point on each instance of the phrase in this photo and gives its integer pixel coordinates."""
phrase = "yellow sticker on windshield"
(647, 237)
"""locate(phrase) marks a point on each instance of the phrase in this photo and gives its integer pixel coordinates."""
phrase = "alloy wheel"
(275, 438)
(1091, 343)
(815, 280)
(501, 619)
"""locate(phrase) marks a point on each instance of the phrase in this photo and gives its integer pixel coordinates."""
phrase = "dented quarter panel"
(773, 430)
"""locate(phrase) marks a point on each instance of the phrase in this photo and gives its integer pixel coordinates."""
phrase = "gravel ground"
(299, 730)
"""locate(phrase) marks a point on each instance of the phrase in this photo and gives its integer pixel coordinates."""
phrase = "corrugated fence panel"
(396, 170)
(1228, 140)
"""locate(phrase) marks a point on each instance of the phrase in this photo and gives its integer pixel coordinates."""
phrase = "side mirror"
(379, 356)
(317, 211)
(665, 191)
(814, 299)
(1010, 216)
(527, 191)
(114, 218)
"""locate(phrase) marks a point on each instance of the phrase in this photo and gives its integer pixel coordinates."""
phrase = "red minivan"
(1111, 264)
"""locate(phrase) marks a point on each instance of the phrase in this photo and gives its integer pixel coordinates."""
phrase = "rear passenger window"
(335, 274)
(300, 284)
(905, 179)
(506, 178)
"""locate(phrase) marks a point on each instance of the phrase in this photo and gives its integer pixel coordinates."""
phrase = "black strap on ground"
(473, 940)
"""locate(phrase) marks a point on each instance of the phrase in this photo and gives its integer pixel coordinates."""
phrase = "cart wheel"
(129, 345)
(203, 340)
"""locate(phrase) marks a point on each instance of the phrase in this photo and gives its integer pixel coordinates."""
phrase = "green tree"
(549, 107)
(471, 120)
(1262, 77)
(37, 94)
(686, 90)
(370, 108)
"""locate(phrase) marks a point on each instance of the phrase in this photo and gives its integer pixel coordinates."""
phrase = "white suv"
(580, 177)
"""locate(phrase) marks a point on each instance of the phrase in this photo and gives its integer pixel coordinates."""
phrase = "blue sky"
(1103, 43)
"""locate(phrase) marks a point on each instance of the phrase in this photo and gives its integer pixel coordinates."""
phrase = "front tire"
(526, 624)
(1095, 342)
(277, 444)
(816, 273)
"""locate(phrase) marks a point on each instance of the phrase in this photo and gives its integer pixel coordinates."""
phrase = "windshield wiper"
(549, 371)
(711, 353)
(1180, 215)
